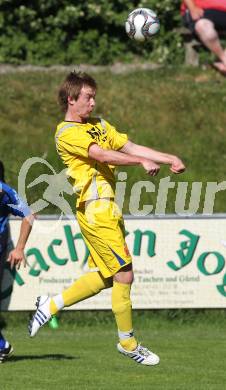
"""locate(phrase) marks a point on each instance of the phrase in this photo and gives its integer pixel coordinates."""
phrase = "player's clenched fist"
(177, 166)
(150, 167)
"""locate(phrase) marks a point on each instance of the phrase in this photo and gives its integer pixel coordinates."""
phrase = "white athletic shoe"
(140, 355)
(41, 316)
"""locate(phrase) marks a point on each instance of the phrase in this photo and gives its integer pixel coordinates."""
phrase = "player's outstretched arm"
(176, 165)
(114, 157)
(16, 256)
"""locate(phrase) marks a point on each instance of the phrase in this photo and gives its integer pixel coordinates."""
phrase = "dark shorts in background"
(3, 252)
(217, 17)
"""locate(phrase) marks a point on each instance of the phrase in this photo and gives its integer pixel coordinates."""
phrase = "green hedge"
(49, 32)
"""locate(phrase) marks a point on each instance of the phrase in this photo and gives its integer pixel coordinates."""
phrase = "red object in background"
(219, 5)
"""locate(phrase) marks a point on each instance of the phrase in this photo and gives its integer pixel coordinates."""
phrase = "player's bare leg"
(208, 35)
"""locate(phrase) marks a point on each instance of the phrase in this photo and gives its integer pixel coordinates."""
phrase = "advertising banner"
(178, 263)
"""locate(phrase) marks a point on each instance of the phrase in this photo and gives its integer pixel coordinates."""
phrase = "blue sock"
(2, 341)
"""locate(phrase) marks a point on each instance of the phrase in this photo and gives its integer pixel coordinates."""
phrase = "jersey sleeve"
(16, 205)
(117, 140)
(76, 143)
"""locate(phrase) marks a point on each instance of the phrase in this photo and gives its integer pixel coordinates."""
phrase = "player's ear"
(71, 100)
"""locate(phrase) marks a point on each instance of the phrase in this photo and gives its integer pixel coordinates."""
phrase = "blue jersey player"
(11, 203)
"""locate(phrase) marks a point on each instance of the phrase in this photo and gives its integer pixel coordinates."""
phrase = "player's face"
(85, 103)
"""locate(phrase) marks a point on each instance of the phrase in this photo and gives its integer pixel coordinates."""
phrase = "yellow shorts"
(103, 230)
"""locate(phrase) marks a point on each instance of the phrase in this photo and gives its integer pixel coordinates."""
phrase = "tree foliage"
(62, 32)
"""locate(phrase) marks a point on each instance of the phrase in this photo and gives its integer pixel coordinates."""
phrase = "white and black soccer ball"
(142, 24)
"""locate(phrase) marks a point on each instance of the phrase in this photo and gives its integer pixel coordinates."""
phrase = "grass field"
(81, 353)
(179, 110)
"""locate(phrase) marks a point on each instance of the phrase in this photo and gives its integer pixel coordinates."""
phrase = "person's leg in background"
(206, 30)
(5, 348)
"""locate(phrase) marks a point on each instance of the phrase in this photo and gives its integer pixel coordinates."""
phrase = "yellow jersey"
(91, 179)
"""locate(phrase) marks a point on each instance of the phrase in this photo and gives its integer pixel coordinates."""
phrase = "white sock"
(58, 300)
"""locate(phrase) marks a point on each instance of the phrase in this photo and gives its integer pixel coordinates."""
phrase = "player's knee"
(125, 278)
(125, 275)
(129, 278)
(205, 29)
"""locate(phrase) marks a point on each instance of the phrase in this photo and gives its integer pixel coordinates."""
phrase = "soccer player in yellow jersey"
(91, 148)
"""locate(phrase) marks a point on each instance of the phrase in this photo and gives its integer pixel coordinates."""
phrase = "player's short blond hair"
(72, 86)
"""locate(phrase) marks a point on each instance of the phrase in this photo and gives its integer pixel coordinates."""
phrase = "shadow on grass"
(58, 356)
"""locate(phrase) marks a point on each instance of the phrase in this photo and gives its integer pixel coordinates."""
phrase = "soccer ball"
(142, 24)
